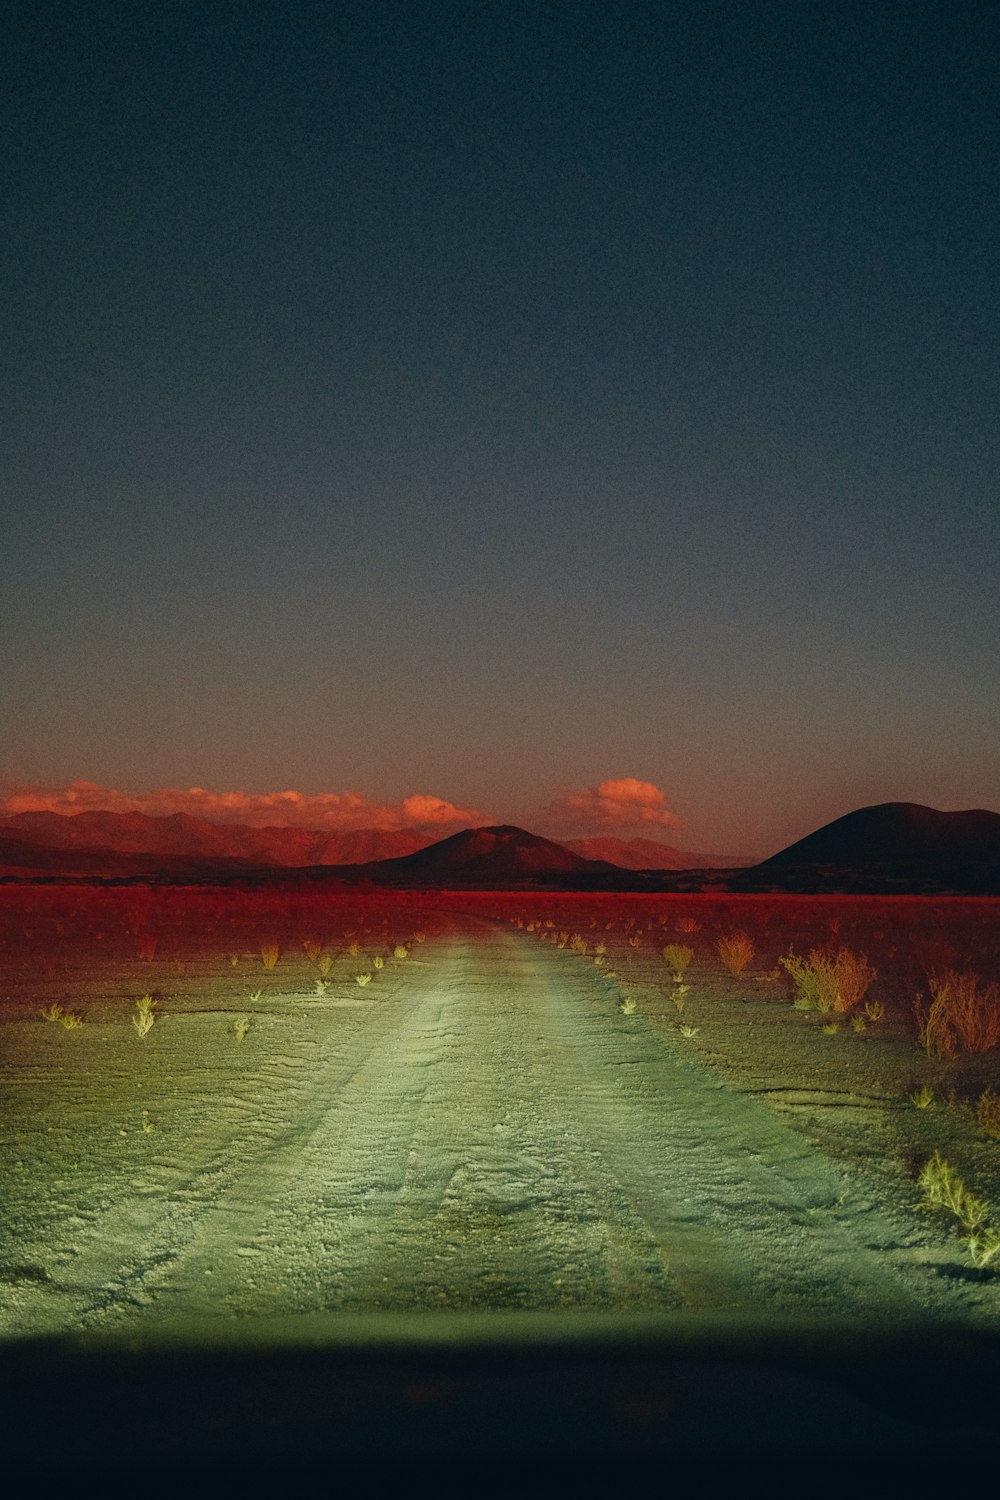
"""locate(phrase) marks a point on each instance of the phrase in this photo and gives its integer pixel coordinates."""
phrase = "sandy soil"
(483, 1126)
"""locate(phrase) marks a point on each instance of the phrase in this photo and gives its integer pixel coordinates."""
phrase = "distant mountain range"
(182, 835)
(130, 844)
(896, 847)
(650, 854)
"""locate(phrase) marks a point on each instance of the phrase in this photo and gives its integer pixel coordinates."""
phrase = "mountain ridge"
(890, 848)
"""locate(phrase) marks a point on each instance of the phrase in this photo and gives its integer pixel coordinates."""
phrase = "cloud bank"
(324, 810)
(621, 804)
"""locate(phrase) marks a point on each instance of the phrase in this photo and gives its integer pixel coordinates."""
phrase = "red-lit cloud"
(332, 810)
(623, 803)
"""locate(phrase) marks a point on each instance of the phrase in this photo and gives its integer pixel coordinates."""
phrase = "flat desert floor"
(493, 1120)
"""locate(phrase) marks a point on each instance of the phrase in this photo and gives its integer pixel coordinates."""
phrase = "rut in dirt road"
(497, 1134)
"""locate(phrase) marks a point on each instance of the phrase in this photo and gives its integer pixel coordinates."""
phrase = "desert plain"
(454, 1102)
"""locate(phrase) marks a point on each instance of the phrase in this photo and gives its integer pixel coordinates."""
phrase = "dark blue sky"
(489, 400)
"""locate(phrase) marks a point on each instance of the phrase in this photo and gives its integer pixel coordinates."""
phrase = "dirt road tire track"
(491, 1131)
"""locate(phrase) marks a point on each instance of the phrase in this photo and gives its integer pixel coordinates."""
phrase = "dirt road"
(487, 1130)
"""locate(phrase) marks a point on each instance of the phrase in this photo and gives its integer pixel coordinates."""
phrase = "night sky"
(490, 401)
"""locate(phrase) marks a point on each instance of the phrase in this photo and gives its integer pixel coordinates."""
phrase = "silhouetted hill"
(894, 847)
(498, 858)
(649, 854)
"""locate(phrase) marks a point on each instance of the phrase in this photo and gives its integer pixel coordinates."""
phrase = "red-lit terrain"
(521, 1108)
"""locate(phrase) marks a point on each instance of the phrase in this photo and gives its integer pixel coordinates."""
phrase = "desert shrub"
(677, 957)
(313, 949)
(269, 954)
(988, 1112)
(53, 1012)
(400, 951)
(362, 979)
(943, 1188)
(686, 924)
(923, 1097)
(144, 1017)
(963, 1015)
(984, 1245)
(825, 983)
(735, 952)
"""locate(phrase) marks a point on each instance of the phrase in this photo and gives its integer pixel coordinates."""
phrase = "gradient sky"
(489, 401)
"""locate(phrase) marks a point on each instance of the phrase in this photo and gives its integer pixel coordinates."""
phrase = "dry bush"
(988, 1112)
(686, 924)
(943, 1188)
(313, 950)
(963, 1015)
(735, 952)
(269, 954)
(677, 957)
(825, 983)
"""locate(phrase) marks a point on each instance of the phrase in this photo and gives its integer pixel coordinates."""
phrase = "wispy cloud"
(332, 810)
(623, 803)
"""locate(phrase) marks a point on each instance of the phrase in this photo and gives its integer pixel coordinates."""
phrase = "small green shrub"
(144, 1018)
(943, 1188)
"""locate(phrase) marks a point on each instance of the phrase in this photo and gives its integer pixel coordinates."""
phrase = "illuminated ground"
(483, 1126)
